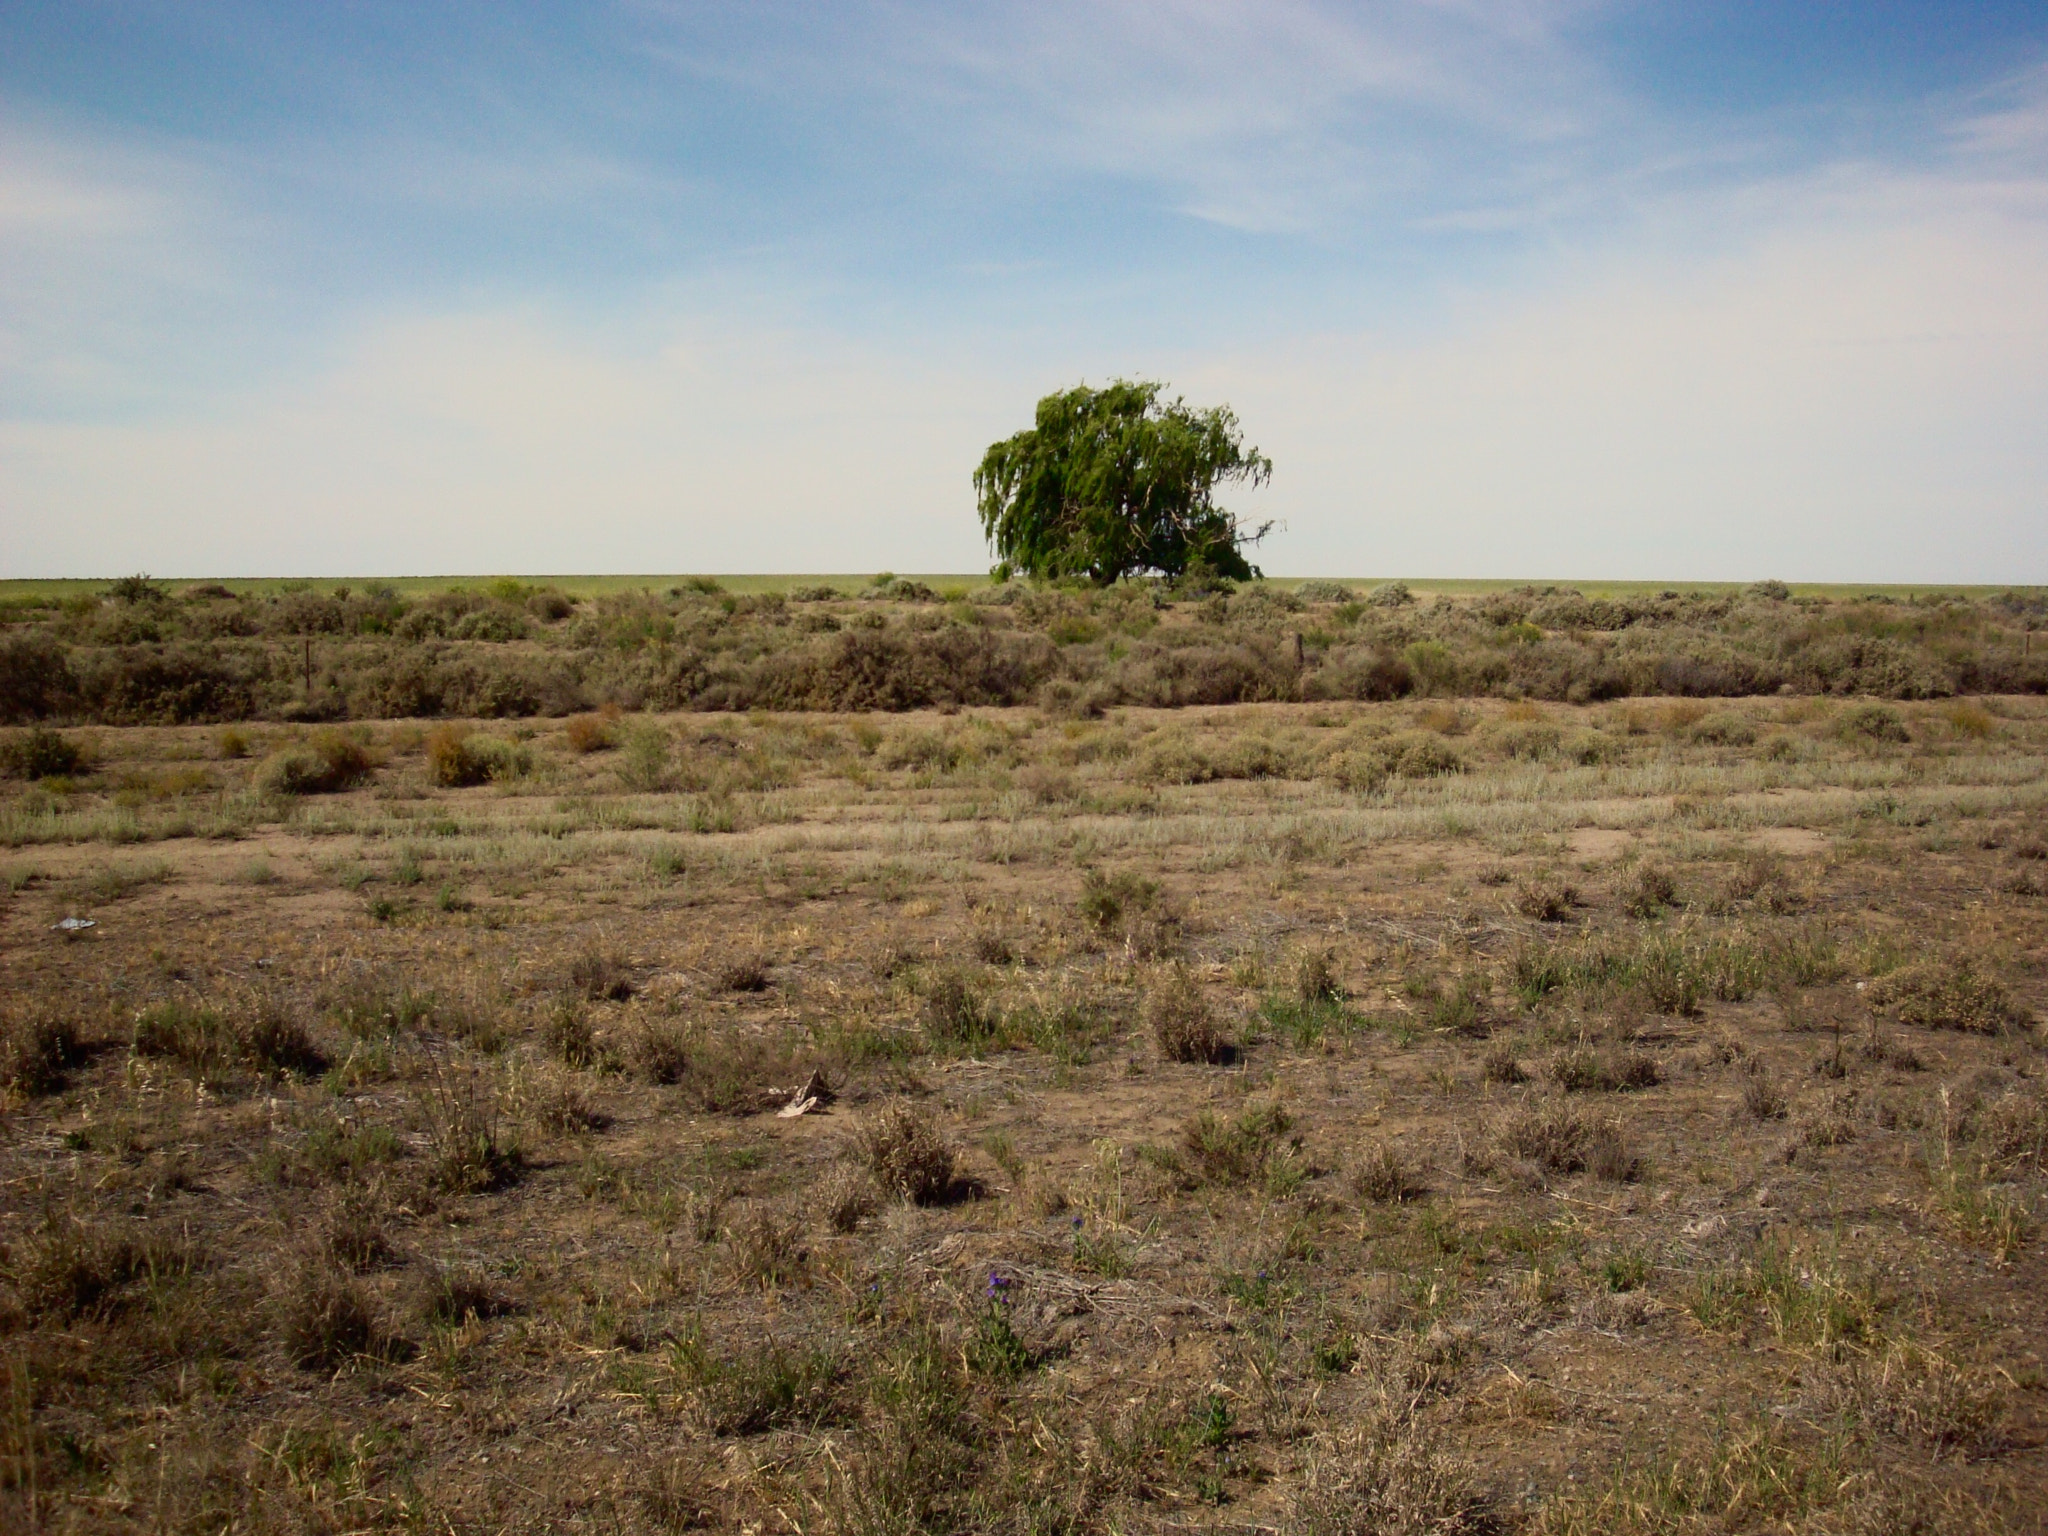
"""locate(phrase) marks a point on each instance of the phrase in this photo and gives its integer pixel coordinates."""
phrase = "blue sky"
(1520, 289)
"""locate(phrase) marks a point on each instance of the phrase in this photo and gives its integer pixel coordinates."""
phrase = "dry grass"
(335, 1206)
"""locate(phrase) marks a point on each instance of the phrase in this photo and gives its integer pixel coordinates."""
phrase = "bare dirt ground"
(1410, 1117)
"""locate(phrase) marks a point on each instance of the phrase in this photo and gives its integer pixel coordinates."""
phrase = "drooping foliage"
(1111, 482)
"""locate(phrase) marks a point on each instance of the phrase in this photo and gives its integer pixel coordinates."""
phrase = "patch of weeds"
(1546, 900)
(1180, 1021)
(744, 973)
(1498, 1065)
(568, 1036)
(1239, 1151)
(1581, 1069)
(994, 1350)
(757, 1389)
(1099, 1253)
(1803, 1300)
(1626, 1271)
(1381, 1176)
(1557, 1138)
(1650, 891)
(905, 1153)
(328, 1319)
(1938, 994)
(38, 1052)
(468, 1150)
(601, 976)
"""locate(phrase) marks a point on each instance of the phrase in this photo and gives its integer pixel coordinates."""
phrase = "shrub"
(761, 1250)
(453, 761)
(1582, 1069)
(1180, 1022)
(40, 754)
(1390, 1480)
(590, 733)
(1320, 591)
(1420, 755)
(1649, 891)
(846, 1199)
(757, 1389)
(1219, 1151)
(1546, 900)
(37, 1053)
(1762, 1098)
(1947, 995)
(568, 1035)
(1873, 722)
(600, 976)
(468, 1150)
(744, 973)
(905, 1153)
(1558, 1138)
(75, 1268)
(1382, 1177)
(1315, 978)
(327, 1320)
(330, 763)
(952, 1012)
(1723, 728)
(660, 1052)
(1499, 1065)
(453, 1297)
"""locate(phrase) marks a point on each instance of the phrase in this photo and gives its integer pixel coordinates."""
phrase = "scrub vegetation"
(141, 653)
(1361, 1102)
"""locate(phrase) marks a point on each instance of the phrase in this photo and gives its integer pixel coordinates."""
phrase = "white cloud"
(1852, 394)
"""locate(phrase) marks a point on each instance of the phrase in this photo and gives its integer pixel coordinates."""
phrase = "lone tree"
(1111, 482)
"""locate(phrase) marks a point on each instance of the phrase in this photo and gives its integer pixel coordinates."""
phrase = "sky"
(1687, 291)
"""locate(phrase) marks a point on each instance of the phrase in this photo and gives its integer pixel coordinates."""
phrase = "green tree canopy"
(1111, 482)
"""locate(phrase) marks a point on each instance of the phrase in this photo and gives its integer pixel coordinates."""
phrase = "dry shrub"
(1498, 1065)
(1649, 891)
(2013, 1128)
(762, 1250)
(327, 1319)
(1762, 1098)
(1912, 1393)
(1129, 907)
(328, 764)
(353, 1233)
(847, 1198)
(1180, 1020)
(568, 1036)
(1219, 1151)
(78, 1267)
(659, 1050)
(905, 1153)
(1834, 1125)
(590, 733)
(1947, 994)
(468, 1149)
(1381, 1176)
(1557, 1138)
(1873, 722)
(453, 1297)
(40, 754)
(951, 1009)
(744, 973)
(1315, 978)
(1546, 900)
(601, 976)
(38, 1052)
(1391, 1479)
(562, 1108)
(453, 761)
(1581, 1069)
